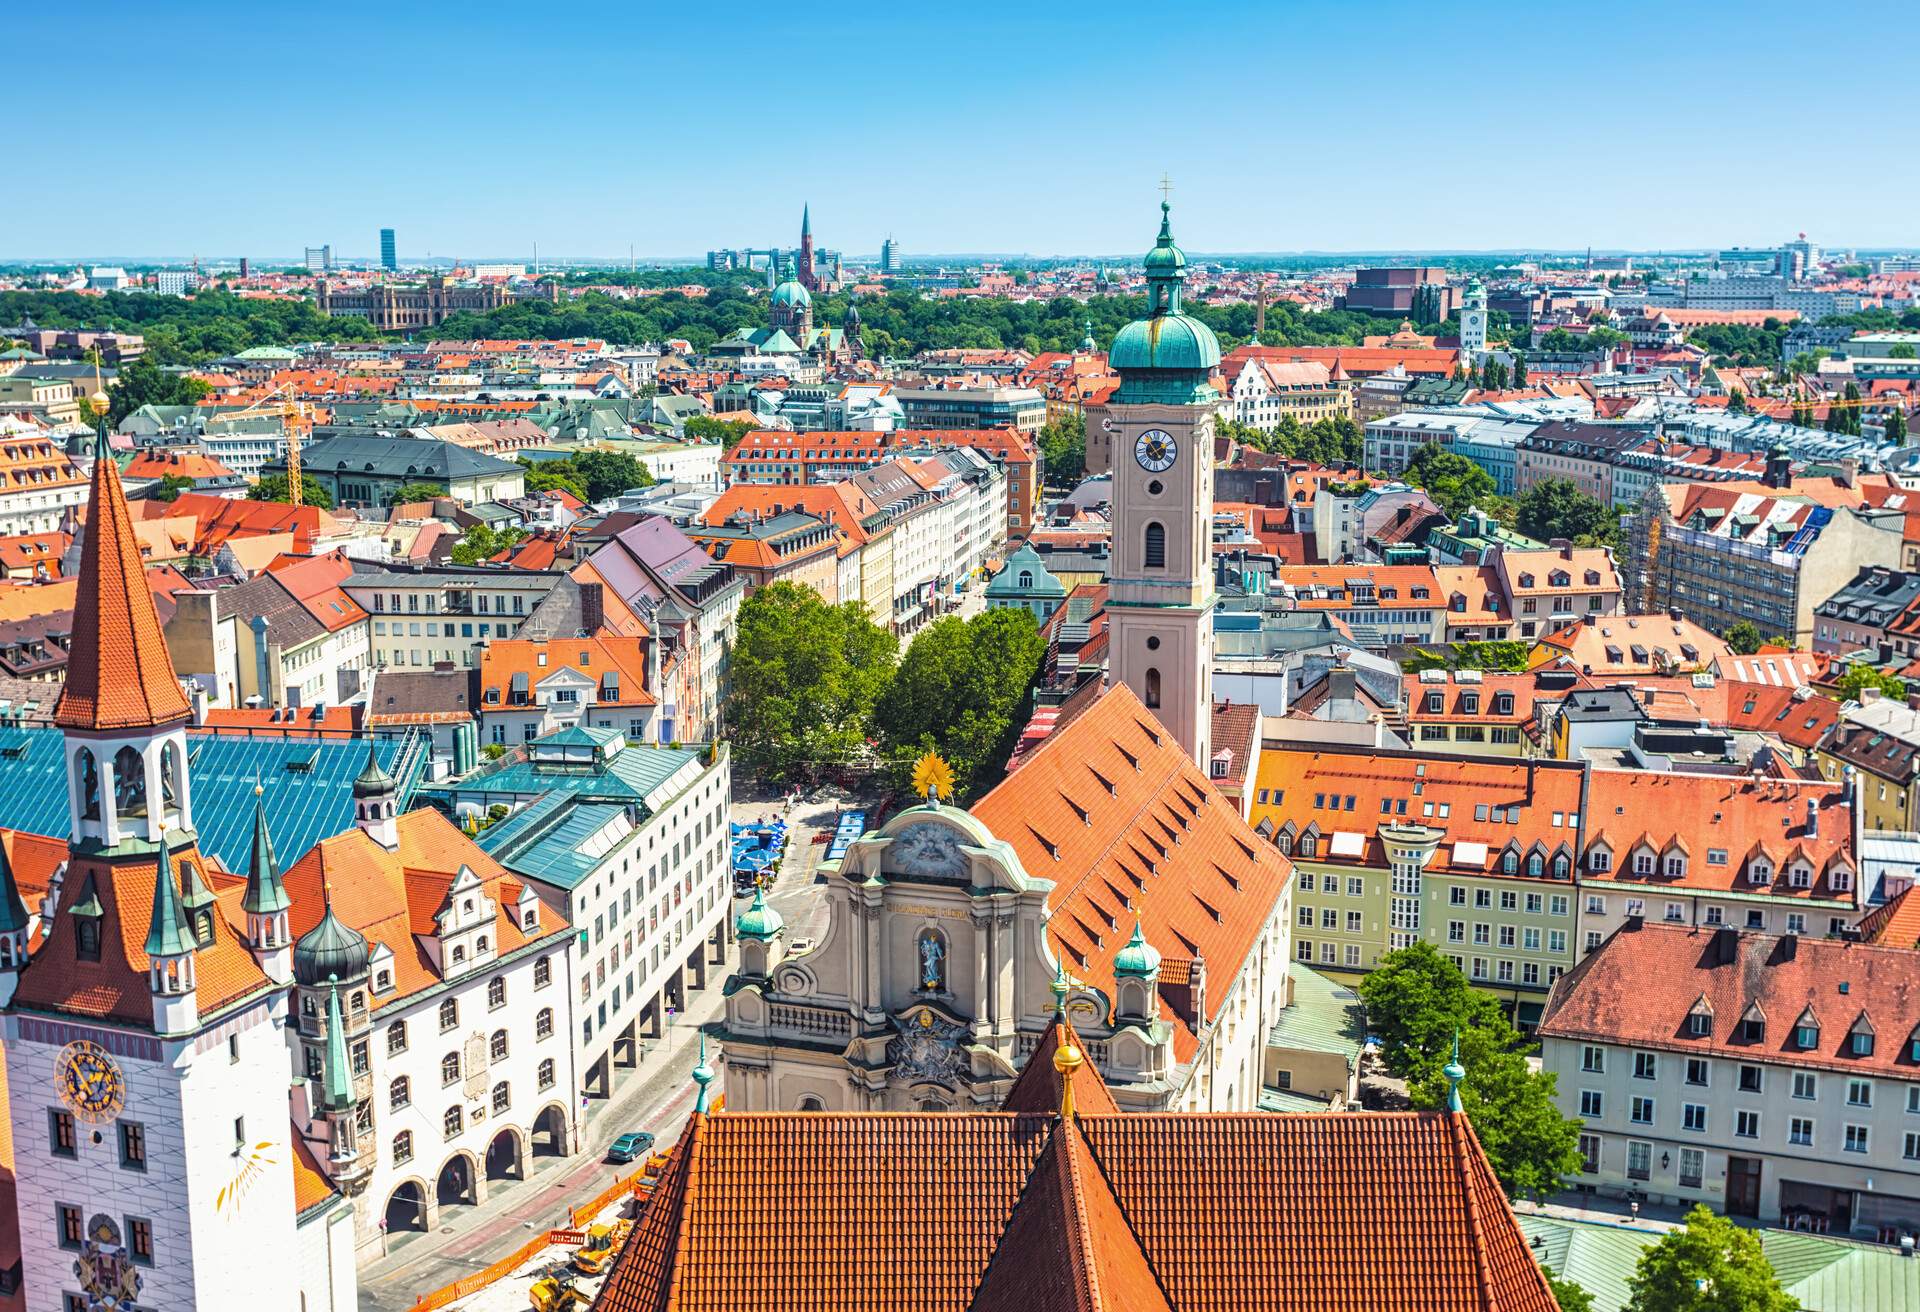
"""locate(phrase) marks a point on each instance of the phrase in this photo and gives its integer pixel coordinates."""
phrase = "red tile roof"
(1745, 817)
(1640, 986)
(119, 675)
(114, 987)
(945, 1212)
(1127, 827)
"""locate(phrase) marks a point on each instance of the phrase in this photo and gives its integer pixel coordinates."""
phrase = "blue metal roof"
(308, 783)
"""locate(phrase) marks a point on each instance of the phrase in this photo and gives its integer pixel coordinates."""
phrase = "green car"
(628, 1146)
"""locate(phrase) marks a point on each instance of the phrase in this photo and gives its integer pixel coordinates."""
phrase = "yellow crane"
(287, 408)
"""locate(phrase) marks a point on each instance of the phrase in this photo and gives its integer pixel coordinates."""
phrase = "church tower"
(1160, 584)
(144, 1042)
(1473, 325)
(807, 279)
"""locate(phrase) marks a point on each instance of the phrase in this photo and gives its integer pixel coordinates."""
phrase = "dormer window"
(1676, 865)
(1700, 1024)
(1759, 872)
(1841, 879)
(86, 940)
(1807, 1037)
(1600, 860)
(1860, 1043)
(1800, 875)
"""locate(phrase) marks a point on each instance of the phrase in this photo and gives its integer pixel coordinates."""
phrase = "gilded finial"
(1455, 1073)
(1060, 988)
(933, 778)
(1067, 1060)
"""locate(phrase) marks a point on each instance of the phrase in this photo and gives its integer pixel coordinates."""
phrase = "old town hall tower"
(1160, 423)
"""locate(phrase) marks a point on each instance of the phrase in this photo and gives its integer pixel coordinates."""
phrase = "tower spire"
(338, 1092)
(168, 934)
(702, 1076)
(119, 675)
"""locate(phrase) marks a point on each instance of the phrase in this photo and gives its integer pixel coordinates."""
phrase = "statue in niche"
(933, 962)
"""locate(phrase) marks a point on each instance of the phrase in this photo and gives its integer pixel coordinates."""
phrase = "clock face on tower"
(89, 1081)
(1155, 451)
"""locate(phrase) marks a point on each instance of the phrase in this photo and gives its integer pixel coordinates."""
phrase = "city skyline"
(1037, 146)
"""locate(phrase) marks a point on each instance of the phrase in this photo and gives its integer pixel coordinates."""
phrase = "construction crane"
(287, 408)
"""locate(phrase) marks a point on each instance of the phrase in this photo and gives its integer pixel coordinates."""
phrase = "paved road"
(655, 1096)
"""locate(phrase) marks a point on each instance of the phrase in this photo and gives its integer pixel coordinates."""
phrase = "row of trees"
(818, 686)
(214, 322)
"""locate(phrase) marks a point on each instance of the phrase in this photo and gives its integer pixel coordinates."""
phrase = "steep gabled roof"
(119, 675)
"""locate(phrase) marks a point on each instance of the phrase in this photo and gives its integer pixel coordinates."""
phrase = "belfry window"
(89, 785)
(1153, 688)
(129, 783)
(1156, 546)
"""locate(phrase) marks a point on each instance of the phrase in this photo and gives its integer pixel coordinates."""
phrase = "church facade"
(1107, 874)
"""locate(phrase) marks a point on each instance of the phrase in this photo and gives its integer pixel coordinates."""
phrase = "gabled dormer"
(1860, 1036)
(1599, 857)
(1700, 1018)
(1673, 859)
(1806, 1030)
(1753, 1023)
(464, 926)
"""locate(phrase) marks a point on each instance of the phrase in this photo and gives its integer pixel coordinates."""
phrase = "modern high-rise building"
(319, 259)
(388, 259)
(889, 256)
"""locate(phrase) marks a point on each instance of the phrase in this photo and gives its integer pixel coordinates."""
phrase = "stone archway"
(505, 1160)
(456, 1183)
(549, 1137)
(408, 1209)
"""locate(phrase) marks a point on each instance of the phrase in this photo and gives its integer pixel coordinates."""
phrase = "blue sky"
(479, 129)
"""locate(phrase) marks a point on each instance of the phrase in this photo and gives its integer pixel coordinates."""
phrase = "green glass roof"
(308, 783)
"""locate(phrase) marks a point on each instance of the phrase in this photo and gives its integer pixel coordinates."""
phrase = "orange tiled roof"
(1895, 923)
(944, 1212)
(1484, 806)
(539, 659)
(310, 1184)
(1744, 817)
(119, 675)
(391, 897)
(1641, 985)
(1112, 811)
(114, 987)
(177, 464)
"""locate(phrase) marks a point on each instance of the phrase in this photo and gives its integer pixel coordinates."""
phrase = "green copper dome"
(331, 949)
(791, 293)
(1138, 957)
(1167, 357)
(758, 921)
(1171, 341)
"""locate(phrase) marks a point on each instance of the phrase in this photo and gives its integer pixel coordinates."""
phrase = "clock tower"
(1160, 582)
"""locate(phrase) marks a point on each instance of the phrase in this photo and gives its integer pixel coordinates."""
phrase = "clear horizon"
(1286, 129)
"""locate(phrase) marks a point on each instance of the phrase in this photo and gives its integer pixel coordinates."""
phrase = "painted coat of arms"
(104, 1269)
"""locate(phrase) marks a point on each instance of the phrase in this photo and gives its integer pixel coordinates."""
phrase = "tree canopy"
(1417, 1003)
(1861, 676)
(1710, 1264)
(805, 679)
(726, 432)
(604, 474)
(1063, 448)
(481, 543)
(141, 382)
(187, 330)
(1454, 482)
(1557, 508)
(554, 475)
(961, 690)
(273, 487)
(1333, 441)
(407, 493)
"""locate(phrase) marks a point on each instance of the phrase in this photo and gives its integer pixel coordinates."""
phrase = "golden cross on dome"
(1166, 187)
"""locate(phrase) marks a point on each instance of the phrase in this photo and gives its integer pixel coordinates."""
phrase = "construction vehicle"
(557, 1293)
(603, 1244)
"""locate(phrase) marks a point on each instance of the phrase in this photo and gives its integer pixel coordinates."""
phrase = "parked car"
(629, 1146)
